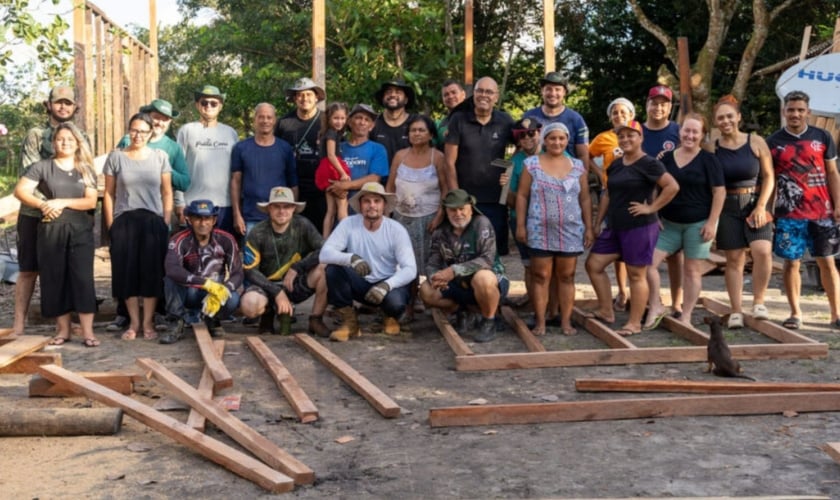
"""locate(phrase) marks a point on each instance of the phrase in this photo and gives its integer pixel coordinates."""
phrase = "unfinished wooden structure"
(114, 72)
(622, 350)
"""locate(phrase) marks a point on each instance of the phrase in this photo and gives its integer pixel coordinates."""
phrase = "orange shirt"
(605, 145)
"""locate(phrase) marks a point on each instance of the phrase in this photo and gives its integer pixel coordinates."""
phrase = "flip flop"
(150, 335)
(597, 315)
(792, 323)
(569, 331)
(626, 332)
(129, 334)
(59, 340)
(656, 321)
(90, 342)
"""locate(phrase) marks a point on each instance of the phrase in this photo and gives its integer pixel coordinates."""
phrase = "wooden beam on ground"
(220, 453)
(60, 421)
(238, 430)
(685, 331)
(116, 381)
(768, 328)
(621, 409)
(378, 399)
(456, 343)
(601, 331)
(5, 332)
(698, 386)
(20, 347)
(205, 389)
(647, 355)
(833, 450)
(521, 329)
(297, 398)
(31, 362)
(221, 376)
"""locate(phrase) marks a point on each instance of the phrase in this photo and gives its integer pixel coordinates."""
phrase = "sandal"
(653, 325)
(626, 332)
(792, 323)
(59, 340)
(129, 334)
(90, 342)
(569, 331)
(736, 320)
(620, 303)
(150, 334)
(597, 315)
(759, 311)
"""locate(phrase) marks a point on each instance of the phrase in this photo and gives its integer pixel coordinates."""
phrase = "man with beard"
(554, 88)
(477, 136)
(300, 128)
(369, 259)
(463, 266)
(37, 145)
(807, 204)
(452, 94)
(391, 127)
(256, 164)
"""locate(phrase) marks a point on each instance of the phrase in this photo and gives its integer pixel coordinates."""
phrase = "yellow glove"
(220, 291)
(210, 305)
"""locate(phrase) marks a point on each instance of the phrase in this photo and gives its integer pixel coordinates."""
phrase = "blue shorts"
(676, 236)
(634, 246)
(460, 290)
(793, 236)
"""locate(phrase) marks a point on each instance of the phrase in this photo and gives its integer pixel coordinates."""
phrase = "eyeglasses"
(139, 132)
(489, 92)
(207, 103)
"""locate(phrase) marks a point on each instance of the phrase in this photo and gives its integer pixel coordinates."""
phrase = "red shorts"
(326, 173)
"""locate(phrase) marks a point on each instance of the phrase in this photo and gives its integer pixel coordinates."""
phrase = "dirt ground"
(405, 457)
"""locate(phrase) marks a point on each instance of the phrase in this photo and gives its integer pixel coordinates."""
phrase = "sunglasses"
(205, 103)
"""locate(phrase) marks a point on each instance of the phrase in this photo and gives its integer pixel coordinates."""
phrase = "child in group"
(332, 166)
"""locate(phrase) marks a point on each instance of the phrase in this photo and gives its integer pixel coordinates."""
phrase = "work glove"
(219, 290)
(376, 294)
(359, 265)
(210, 305)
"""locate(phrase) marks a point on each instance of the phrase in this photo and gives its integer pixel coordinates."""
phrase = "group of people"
(351, 206)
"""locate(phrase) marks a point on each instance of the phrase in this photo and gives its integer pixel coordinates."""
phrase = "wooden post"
(60, 421)
(81, 51)
(468, 42)
(548, 35)
(806, 40)
(154, 67)
(685, 77)
(319, 50)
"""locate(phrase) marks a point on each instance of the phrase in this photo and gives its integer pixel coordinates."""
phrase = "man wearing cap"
(300, 128)
(554, 88)
(281, 264)
(369, 259)
(256, 164)
(463, 267)
(391, 127)
(37, 145)
(452, 95)
(207, 145)
(476, 137)
(203, 272)
(366, 159)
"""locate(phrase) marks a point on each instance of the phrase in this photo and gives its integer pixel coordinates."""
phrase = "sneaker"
(119, 324)
(464, 322)
(214, 326)
(266, 323)
(759, 311)
(161, 323)
(486, 330)
(174, 334)
(736, 320)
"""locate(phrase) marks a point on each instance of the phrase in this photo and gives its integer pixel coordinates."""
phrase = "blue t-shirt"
(367, 158)
(578, 131)
(655, 142)
(262, 168)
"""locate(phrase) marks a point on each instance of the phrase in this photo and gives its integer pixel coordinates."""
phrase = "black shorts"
(27, 243)
(298, 294)
(733, 232)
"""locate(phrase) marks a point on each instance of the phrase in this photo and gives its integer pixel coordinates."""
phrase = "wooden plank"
(456, 343)
(521, 329)
(648, 355)
(238, 430)
(685, 331)
(833, 450)
(378, 399)
(768, 328)
(698, 386)
(116, 381)
(601, 331)
(221, 376)
(216, 451)
(304, 407)
(5, 332)
(621, 409)
(20, 347)
(31, 362)
(60, 421)
(205, 388)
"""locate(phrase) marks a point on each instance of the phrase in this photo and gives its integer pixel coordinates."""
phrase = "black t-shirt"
(478, 145)
(628, 183)
(303, 136)
(696, 179)
(393, 138)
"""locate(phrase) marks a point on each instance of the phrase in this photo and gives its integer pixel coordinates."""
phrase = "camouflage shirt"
(472, 251)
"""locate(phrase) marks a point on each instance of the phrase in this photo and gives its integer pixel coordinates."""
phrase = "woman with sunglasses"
(65, 235)
(137, 204)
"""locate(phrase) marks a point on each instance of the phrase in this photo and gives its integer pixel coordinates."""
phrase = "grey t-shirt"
(55, 183)
(137, 181)
(208, 160)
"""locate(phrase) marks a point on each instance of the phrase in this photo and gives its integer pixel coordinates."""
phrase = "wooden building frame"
(621, 350)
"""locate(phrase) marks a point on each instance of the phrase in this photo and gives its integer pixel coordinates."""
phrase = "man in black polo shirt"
(476, 137)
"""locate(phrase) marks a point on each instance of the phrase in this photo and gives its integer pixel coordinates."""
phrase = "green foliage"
(19, 27)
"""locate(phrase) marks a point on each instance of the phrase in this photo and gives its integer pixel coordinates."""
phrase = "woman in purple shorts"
(628, 207)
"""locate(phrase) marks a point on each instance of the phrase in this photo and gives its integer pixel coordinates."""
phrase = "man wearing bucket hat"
(554, 88)
(281, 265)
(300, 128)
(391, 127)
(464, 268)
(367, 159)
(369, 259)
(61, 107)
(207, 145)
(203, 272)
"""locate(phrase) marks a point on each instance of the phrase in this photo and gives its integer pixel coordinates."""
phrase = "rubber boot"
(349, 325)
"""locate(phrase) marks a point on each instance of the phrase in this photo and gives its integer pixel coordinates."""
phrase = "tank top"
(740, 166)
(417, 189)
